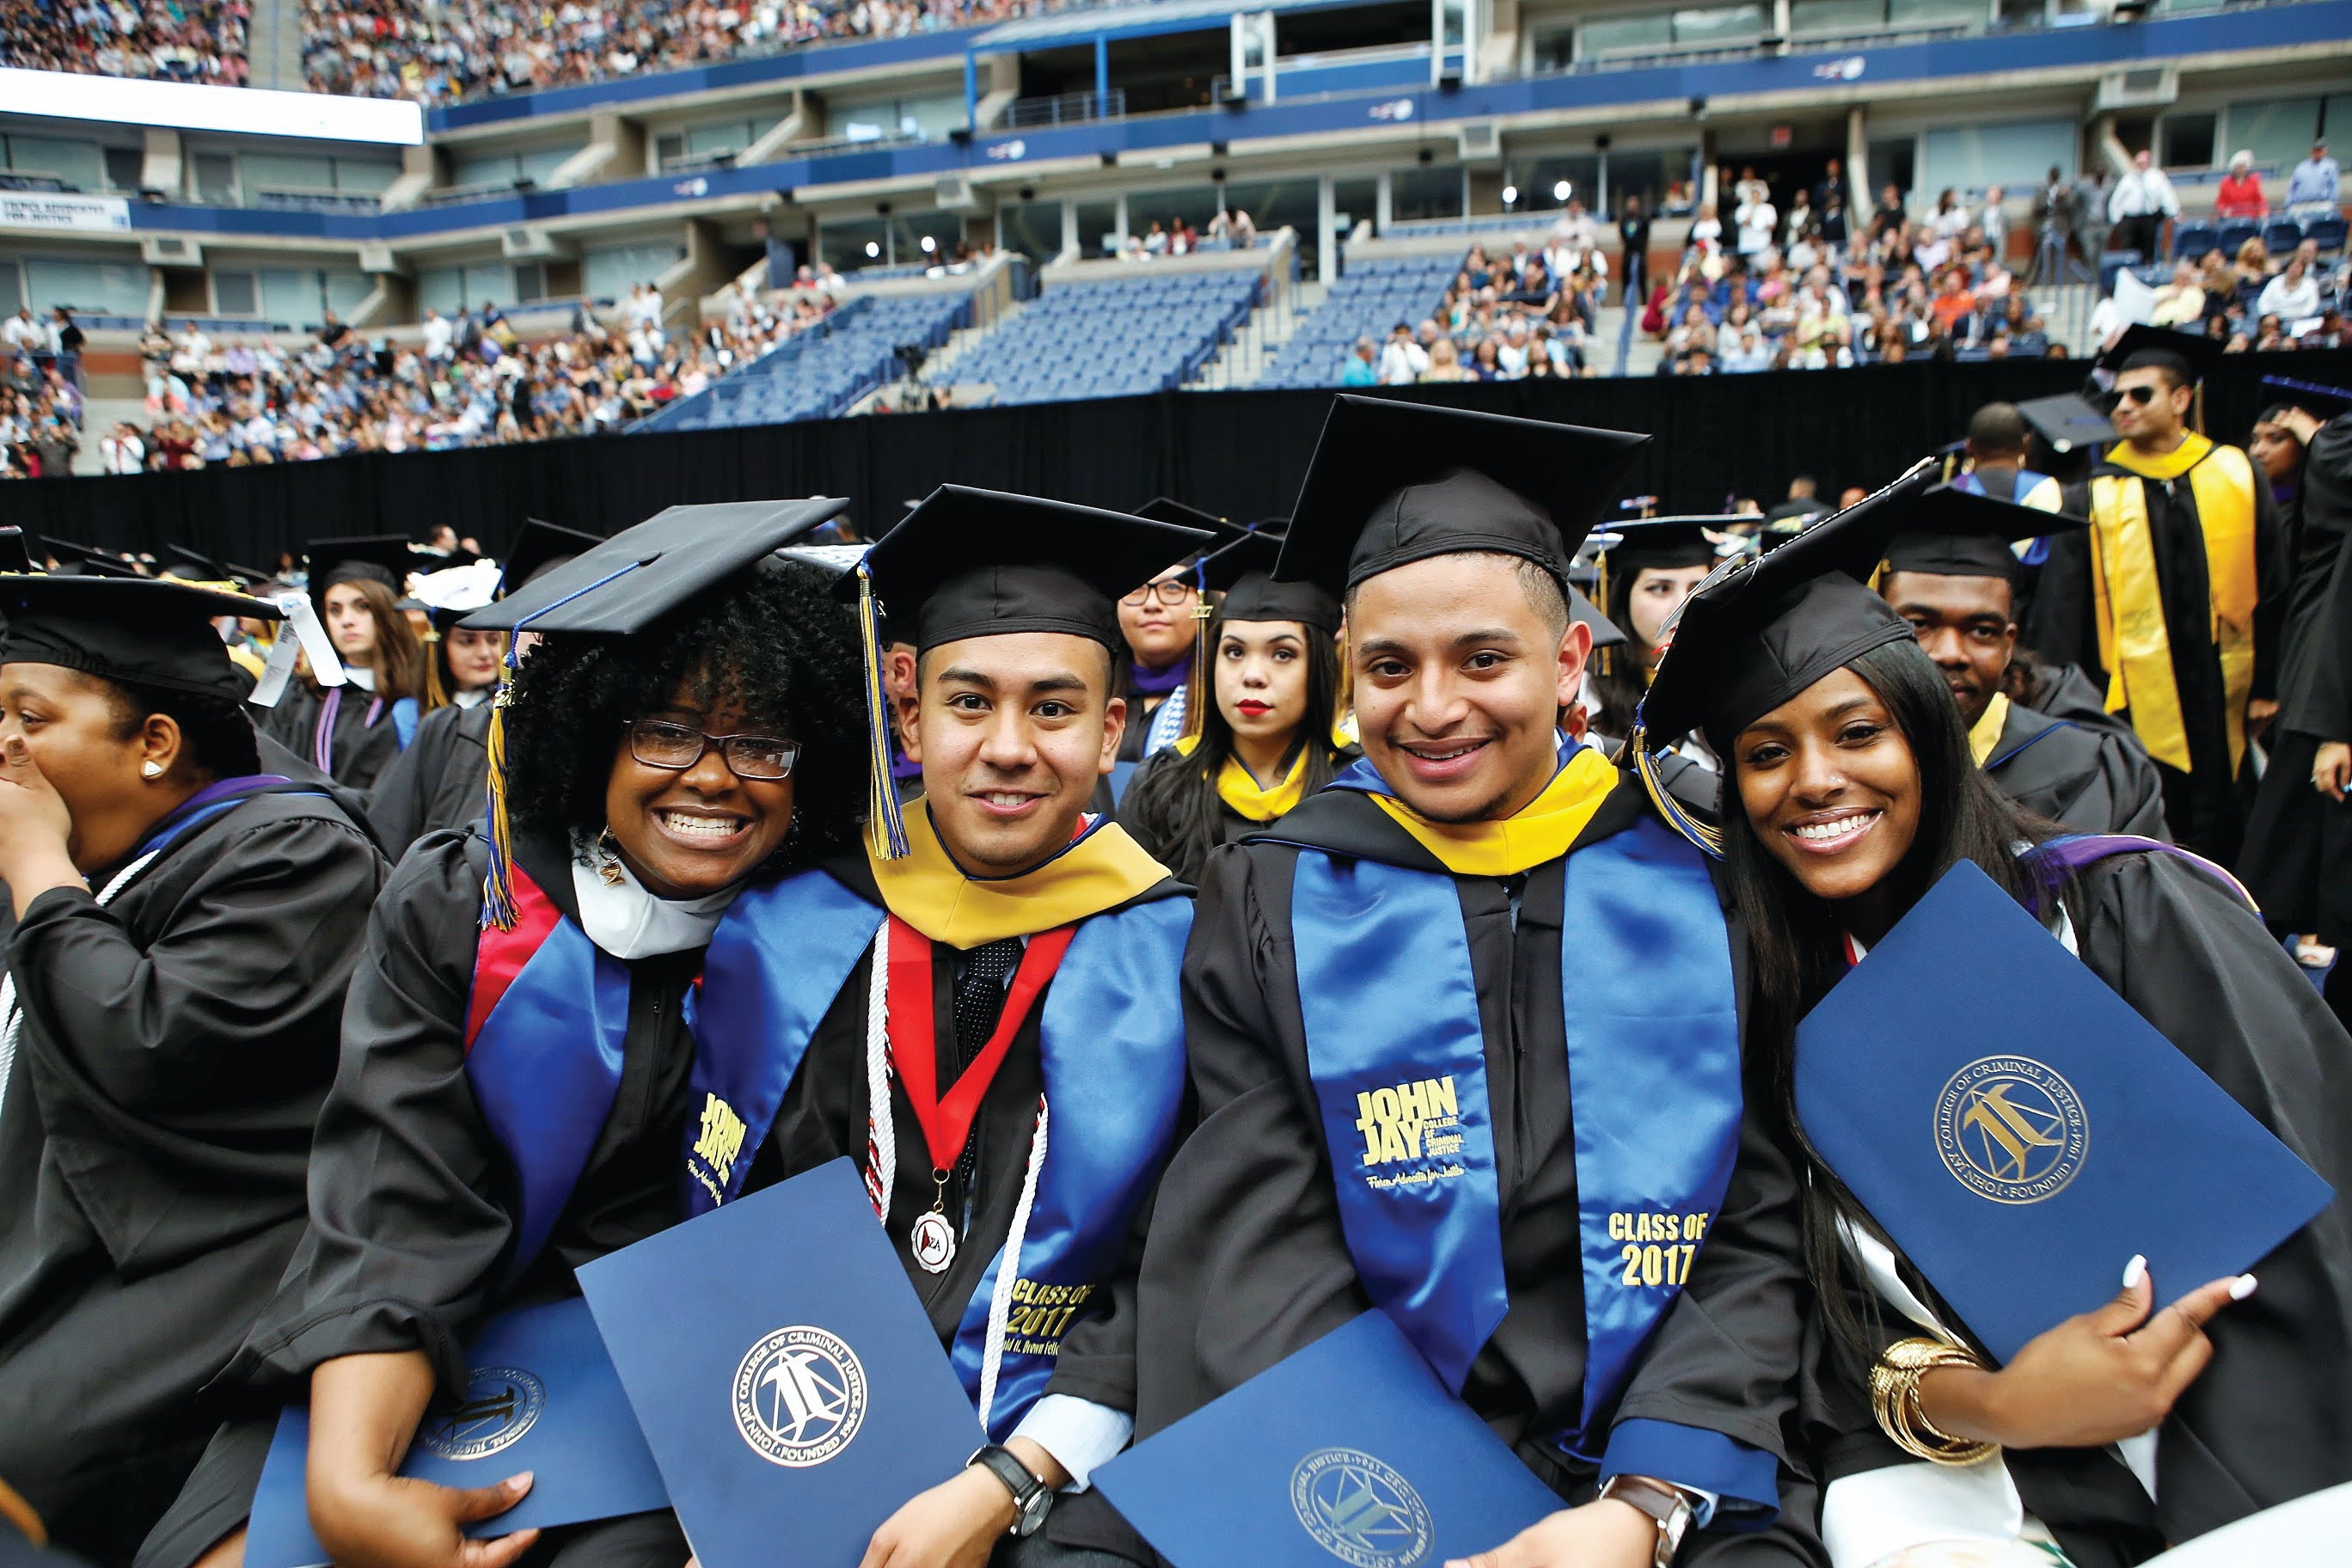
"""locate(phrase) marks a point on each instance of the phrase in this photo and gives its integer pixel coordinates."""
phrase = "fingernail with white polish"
(2135, 1271)
(2242, 1287)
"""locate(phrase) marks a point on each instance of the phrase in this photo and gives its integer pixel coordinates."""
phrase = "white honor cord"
(11, 1017)
(881, 1128)
(1008, 1269)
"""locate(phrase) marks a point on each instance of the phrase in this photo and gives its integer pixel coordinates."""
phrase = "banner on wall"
(64, 215)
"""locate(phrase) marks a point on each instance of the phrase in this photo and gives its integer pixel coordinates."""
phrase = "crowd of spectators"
(472, 49)
(470, 381)
(176, 40)
(1504, 317)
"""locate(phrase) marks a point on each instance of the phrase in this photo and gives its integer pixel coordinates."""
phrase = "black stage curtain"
(1240, 453)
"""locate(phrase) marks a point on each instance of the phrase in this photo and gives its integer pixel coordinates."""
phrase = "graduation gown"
(2265, 1421)
(440, 780)
(425, 1273)
(2092, 780)
(1155, 831)
(364, 739)
(1248, 1261)
(2298, 856)
(154, 1136)
(2205, 805)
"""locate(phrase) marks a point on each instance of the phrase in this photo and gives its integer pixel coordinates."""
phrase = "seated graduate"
(1641, 580)
(352, 732)
(1466, 1032)
(1951, 572)
(1851, 791)
(1264, 742)
(1160, 623)
(441, 779)
(179, 930)
(688, 732)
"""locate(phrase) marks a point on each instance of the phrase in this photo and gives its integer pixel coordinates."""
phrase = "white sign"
(64, 215)
(194, 106)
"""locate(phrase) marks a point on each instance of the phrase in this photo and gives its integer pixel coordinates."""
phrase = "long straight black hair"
(1795, 940)
(1173, 809)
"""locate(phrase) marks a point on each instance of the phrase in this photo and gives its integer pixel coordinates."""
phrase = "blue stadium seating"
(2327, 233)
(2192, 239)
(2235, 233)
(2281, 236)
(1117, 338)
(1370, 299)
(818, 372)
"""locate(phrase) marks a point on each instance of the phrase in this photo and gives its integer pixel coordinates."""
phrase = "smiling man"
(1483, 918)
(1952, 575)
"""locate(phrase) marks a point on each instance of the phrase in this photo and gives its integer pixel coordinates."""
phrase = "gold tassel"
(1606, 656)
(1196, 680)
(497, 882)
(886, 830)
(1709, 840)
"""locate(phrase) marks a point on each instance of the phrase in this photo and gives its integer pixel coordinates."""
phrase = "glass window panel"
(233, 294)
(439, 288)
(1540, 183)
(1835, 15)
(844, 244)
(1555, 48)
(122, 167)
(1931, 12)
(360, 178)
(707, 141)
(2277, 131)
(290, 295)
(2188, 141)
(537, 166)
(77, 163)
(1971, 157)
(1097, 227)
(94, 288)
(347, 292)
(12, 288)
(216, 178)
(609, 272)
(1661, 176)
(909, 230)
(287, 171)
(1720, 24)
(1434, 192)
(1355, 201)
(1032, 228)
(934, 116)
(1617, 35)
(2337, 107)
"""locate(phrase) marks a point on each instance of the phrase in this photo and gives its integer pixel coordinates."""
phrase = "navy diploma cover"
(2020, 1154)
(1350, 1450)
(540, 1395)
(793, 1391)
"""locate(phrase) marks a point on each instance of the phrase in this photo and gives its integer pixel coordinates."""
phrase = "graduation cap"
(1606, 633)
(81, 559)
(2067, 423)
(2188, 355)
(386, 557)
(211, 569)
(975, 563)
(2320, 401)
(619, 587)
(1243, 572)
(1665, 542)
(457, 591)
(1955, 532)
(1761, 629)
(13, 554)
(1391, 483)
(1166, 508)
(539, 546)
(137, 630)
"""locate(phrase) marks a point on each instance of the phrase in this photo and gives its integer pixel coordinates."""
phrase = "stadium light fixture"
(1561, 190)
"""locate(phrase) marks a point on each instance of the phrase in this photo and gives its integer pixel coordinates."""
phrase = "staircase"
(273, 45)
(1244, 359)
(940, 369)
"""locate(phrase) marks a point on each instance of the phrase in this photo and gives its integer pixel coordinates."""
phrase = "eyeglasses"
(1168, 591)
(660, 744)
(2142, 393)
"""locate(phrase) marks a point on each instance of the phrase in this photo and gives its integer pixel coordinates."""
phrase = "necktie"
(980, 994)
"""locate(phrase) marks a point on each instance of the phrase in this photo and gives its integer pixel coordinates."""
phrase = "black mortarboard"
(540, 545)
(2321, 401)
(88, 561)
(1606, 633)
(2067, 423)
(137, 630)
(1762, 629)
(1166, 508)
(1391, 483)
(2187, 354)
(1955, 533)
(206, 566)
(13, 554)
(385, 558)
(1665, 542)
(1243, 572)
(628, 581)
(971, 563)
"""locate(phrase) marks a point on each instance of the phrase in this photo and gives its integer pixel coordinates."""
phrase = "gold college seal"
(1361, 1511)
(498, 1407)
(800, 1397)
(2010, 1129)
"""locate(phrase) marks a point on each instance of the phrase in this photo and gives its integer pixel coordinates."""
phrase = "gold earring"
(151, 769)
(610, 871)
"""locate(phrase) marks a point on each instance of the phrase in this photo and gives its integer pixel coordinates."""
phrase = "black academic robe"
(1247, 1261)
(2089, 780)
(1154, 829)
(2265, 1421)
(154, 1135)
(358, 750)
(2298, 856)
(425, 1273)
(440, 780)
(2206, 806)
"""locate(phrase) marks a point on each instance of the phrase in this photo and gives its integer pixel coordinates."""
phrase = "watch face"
(1032, 1513)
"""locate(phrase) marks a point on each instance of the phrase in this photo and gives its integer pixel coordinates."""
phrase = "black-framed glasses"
(1169, 591)
(665, 744)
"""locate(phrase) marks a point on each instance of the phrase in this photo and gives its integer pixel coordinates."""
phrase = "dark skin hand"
(364, 1413)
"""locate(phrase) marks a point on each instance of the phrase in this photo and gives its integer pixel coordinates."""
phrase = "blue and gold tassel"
(886, 830)
(1708, 839)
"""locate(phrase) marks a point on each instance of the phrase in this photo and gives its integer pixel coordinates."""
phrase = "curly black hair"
(778, 644)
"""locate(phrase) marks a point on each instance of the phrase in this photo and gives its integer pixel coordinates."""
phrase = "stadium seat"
(2236, 232)
(2327, 233)
(2281, 236)
(2193, 239)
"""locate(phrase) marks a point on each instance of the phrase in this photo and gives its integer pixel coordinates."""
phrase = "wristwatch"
(1665, 1505)
(1031, 1496)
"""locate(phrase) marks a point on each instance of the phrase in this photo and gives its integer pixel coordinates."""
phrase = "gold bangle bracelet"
(1894, 1400)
